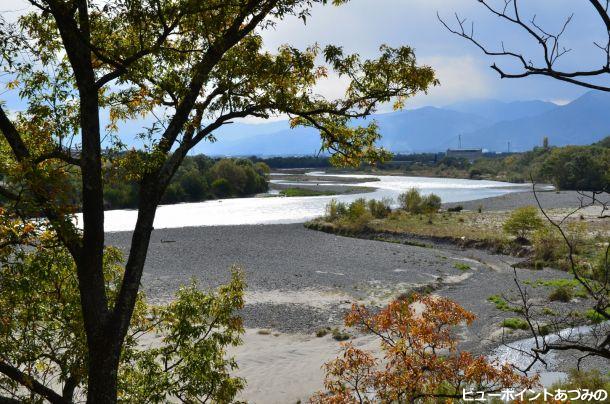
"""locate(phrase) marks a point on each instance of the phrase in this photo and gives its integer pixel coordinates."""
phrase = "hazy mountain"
(497, 111)
(488, 124)
(423, 129)
(583, 121)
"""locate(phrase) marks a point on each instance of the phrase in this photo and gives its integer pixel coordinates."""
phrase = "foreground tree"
(172, 351)
(421, 361)
(192, 65)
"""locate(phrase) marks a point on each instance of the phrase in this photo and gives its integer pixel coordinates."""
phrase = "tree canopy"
(82, 69)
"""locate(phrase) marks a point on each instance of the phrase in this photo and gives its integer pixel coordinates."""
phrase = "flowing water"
(273, 209)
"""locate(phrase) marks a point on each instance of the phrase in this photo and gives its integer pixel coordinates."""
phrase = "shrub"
(595, 317)
(334, 210)
(561, 294)
(576, 233)
(431, 203)
(410, 201)
(340, 335)
(457, 208)
(523, 221)
(417, 343)
(379, 209)
(601, 267)
(548, 245)
(515, 323)
(592, 380)
(322, 332)
(357, 209)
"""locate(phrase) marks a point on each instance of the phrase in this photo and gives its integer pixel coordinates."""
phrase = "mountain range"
(486, 124)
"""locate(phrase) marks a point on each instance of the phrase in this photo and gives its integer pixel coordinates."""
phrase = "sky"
(361, 26)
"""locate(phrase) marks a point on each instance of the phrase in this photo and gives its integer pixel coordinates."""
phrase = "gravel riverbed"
(301, 280)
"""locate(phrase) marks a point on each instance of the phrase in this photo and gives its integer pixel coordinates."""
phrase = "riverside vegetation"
(522, 232)
(199, 178)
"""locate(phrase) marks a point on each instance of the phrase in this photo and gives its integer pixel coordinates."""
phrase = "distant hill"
(497, 111)
(488, 124)
(583, 121)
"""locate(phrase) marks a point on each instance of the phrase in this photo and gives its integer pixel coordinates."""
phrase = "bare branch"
(548, 42)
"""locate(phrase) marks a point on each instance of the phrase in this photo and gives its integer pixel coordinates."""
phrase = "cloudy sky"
(362, 25)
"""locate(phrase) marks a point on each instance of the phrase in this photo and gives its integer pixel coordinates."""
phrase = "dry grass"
(467, 225)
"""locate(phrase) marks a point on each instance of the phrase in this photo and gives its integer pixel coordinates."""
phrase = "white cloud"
(460, 78)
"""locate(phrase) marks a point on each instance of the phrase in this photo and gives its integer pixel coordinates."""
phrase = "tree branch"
(551, 50)
(28, 382)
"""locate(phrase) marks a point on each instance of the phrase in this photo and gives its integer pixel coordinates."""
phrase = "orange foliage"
(421, 361)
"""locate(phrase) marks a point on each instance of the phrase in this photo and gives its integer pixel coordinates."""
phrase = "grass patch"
(595, 317)
(469, 225)
(461, 266)
(545, 329)
(515, 323)
(547, 311)
(340, 335)
(292, 192)
(502, 304)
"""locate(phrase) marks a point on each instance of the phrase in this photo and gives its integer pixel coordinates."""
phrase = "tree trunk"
(105, 350)
(103, 375)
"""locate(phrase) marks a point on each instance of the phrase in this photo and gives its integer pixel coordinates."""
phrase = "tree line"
(199, 178)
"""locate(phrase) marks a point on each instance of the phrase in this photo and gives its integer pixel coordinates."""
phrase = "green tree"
(582, 168)
(42, 333)
(194, 185)
(202, 64)
(523, 221)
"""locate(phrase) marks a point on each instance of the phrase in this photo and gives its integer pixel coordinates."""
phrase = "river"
(276, 210)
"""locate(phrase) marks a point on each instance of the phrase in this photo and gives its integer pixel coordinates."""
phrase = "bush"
(561, 294)
(335, 210)
(523, 221)
(357, 209)
(592, 380)
(410, 201)
(379, 209)
(601, 267)
(431, 203)
(457, 208)
(548, 245)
